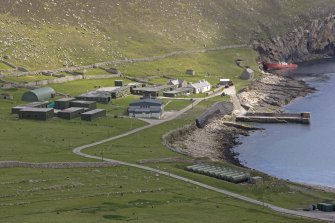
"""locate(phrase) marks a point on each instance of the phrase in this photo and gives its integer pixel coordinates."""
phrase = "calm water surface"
(302, 153)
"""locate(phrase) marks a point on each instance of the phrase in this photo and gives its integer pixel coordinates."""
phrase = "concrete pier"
(267, 117)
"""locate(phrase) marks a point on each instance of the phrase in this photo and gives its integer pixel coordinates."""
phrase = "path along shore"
(217, 138)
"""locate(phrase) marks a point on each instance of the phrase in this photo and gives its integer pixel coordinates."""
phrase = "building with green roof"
(40, 94)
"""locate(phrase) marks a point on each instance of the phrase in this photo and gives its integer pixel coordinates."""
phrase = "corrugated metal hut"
(40, 94)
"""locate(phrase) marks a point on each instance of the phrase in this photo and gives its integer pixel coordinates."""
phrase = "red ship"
(279, 66)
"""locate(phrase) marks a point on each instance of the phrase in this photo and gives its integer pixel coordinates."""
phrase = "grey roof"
(149, 101)
(153, 89)
(249, 71)
(179, 90)
(32, 104)
(72, 109)
(37, 109)
(145, 110)
(66, 99)
(93, 111)
(83, 102)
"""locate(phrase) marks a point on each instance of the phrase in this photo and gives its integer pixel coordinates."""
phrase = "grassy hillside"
(48, 33)
(39, 34)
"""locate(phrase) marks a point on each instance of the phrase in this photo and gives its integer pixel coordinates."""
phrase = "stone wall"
(8, 85)
(56, 165)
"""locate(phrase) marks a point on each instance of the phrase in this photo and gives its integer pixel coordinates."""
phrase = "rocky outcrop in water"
(313, 42)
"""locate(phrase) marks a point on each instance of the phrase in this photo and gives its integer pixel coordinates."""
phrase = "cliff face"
(314, 42)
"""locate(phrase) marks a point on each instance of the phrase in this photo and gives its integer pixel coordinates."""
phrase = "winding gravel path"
(313, 215)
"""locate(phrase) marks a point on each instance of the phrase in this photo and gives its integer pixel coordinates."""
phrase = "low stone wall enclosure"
(56, 165)
(56, 81)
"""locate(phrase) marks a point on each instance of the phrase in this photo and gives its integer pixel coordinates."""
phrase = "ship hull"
(278, 66)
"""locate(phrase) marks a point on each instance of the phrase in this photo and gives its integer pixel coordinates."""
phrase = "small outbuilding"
(190, 72)
(247, 74)
(94, 114)
(40, 94)
(118, 83)
(226, 82)
(153, 91)
(6, 96)
(70, 113)
(146, 108)
(89, 105)
(17, 109)
(36, 113)
(63, 103)
(178, 92)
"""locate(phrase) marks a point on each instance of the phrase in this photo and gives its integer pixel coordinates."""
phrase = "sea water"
(301, 153)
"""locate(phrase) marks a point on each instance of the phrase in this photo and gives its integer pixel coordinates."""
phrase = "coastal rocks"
(214, 141)
(314, 42)
(271, 92)
(217, 138)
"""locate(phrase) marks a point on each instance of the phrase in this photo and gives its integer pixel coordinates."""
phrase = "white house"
(200, 87)
(146, 108)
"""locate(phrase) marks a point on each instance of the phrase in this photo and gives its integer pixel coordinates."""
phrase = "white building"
(200, 87)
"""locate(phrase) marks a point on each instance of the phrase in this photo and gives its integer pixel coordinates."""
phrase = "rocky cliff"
(313, 42)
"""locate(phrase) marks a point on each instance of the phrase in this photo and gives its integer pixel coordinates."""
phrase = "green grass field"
(27, 78)
(135, 147)
(117, 194)
(211, 66)
(107, 194)
(4, 66)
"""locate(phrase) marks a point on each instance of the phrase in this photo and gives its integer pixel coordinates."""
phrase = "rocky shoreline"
(218, 138)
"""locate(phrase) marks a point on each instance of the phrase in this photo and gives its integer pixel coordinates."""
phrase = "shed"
(94, 114)
(63, 103)
(16, 109)
(70, 113)
(6, 96)
(226, 82)
(40, 94)
(153, 91)
(118, 83)
(178, 92)
(247, 74)
(90, 105)
(190, 72)
(36, 113)
(97, 96)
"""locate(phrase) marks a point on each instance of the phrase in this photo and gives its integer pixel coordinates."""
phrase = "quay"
(268, 117)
